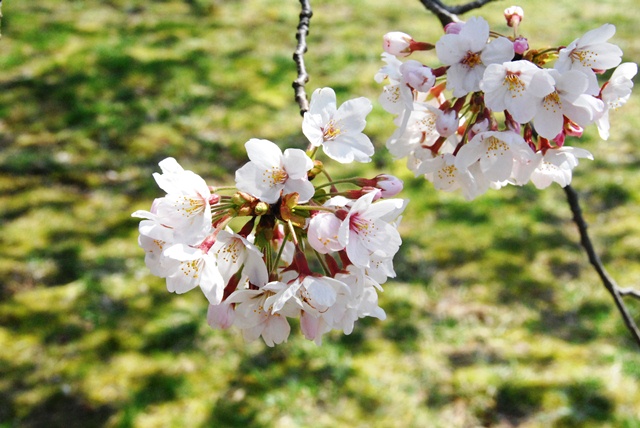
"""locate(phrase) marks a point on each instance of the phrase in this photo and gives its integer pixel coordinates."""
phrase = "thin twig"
(448, 14)
(607, 281)
(631, 292)
(298, 56)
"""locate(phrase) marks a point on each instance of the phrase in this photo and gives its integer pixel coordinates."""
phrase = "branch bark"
(298, 56)
(611, 286)
(448, 14)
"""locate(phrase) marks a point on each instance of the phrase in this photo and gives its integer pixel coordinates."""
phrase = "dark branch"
(607, 281)
(301, 36)
(448, 14)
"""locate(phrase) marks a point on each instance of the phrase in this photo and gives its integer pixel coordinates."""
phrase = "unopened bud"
(453, 27)
(418, 76)
(447, 123)
(389, 185)
(402, 44)
(241, 198)
(318, 167)
(397, 43)
(520, 45)
(261, 208)
(572, 129)
(513, 15)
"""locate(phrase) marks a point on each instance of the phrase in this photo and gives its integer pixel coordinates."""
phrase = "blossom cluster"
(284, 242)
(495, 111)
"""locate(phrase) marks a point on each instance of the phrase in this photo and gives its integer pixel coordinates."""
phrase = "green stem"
(279, 255)
(322, 263)
(331, 183)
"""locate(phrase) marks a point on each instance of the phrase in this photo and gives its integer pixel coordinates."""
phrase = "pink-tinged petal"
(276, 331)
(296, 163)
(310, 325)
(323, 233)
(220, 316)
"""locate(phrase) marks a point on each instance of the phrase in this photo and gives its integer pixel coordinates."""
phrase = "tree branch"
(448, 14)
(594, 259)
(303, 76)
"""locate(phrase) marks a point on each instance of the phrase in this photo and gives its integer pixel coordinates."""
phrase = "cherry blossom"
(272, 173)
(615, 94)
(186, 207)
(338, 130)
(589, 53)
(468, 53)
(510, 86)
(568, 99)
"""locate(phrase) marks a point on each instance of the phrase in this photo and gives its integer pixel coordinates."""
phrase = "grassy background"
(495, 318)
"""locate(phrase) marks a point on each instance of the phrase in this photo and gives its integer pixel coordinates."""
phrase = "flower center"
(552, 102)
(331, 131)
(472, 59)
(514, 82)
(276, 176)
(498, 147)
(584, 57)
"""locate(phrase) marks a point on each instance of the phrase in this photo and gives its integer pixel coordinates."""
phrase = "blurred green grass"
(495, 318)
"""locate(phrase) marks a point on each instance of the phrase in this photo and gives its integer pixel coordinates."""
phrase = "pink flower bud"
(572, 129)
(513, 15)
(559, 139)
(520, 45)
(418, 76)
(397, 43)
(447, 123)
(453, 27)
(389, 185)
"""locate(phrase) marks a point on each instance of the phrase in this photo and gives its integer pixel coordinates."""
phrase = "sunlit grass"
(495, 317)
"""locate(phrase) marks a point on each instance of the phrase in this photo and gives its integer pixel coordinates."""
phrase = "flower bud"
(513, 15)
(447, 123)
(453, 27)
(401, 44)
(572, 129)
(559, 139)
(389, 185)
(261, 208)
(418, 76)
(520, 45)
(397, 43)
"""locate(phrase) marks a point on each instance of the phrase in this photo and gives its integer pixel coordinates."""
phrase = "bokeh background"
(495, 318)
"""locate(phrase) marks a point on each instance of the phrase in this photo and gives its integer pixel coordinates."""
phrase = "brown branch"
(448, 14)
(303, 76)
(594, 259)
